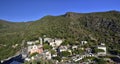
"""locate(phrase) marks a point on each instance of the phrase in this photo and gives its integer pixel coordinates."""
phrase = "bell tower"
(40, 40)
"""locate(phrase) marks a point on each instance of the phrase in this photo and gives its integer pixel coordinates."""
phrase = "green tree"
(52, 51)
(100, 61)
(65, 53)
(65, 42)
(46, 46)
(57, 58)
(34, 54)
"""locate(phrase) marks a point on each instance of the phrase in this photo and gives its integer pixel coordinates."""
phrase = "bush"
(46, 46)
(100, 61)
(57, 58)
(33, 54)
(65, 53)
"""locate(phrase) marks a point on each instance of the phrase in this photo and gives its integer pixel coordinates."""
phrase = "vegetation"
(78, 51)
(96, 27)
(65, 42)
(114, 52)
(34, 54)
(53, 51)
(57, 58)
(40, 61)
(46, 46)
(65, 53)
(100, 61)
(90, 58)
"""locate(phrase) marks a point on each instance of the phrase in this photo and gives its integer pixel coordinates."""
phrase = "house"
(77, 58)
(83, 42)
(27, 59)
(58, 42)
(24, 52)
(55, 42)
(46, 55)
(88, 50)
(47, 39)
(37, 41)
(32, 42)
(52, 44)
(63, 48)
(35, 48)
(103, 44)
(69, 50)
(102, 48)
(54, 55)
(74, 47)
(14, 46)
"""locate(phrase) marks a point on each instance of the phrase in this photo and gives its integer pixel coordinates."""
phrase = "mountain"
(94, 27)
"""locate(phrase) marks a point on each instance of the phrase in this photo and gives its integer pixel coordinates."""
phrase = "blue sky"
(29, 10)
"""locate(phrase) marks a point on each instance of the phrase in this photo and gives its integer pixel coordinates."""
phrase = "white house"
(47, 55)
(27, 59)
(35, 48)
(47, 39)
(103, 48)
(55, 42)
(58, 42)
(30, 42)
(52, 44)
(103, 44)
(74, 47)
(54, 55)
(63, 48)
(84, 42)
(37, 41)
(32, 49)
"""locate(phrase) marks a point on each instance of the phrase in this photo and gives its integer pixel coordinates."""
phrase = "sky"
(30, 10)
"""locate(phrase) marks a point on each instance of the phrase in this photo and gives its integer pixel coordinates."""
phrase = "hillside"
(93, 27)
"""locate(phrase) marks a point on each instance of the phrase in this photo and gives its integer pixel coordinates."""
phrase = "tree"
(78, 51)
(34, 54)
(57, 58)
(52, 51)
(65, 53)
(65, 42)
(100, 61)
(46, 46)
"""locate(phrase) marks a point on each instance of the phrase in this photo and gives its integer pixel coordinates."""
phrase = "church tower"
(40, 40)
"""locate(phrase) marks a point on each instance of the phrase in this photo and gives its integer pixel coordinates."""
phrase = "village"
(58, 51)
